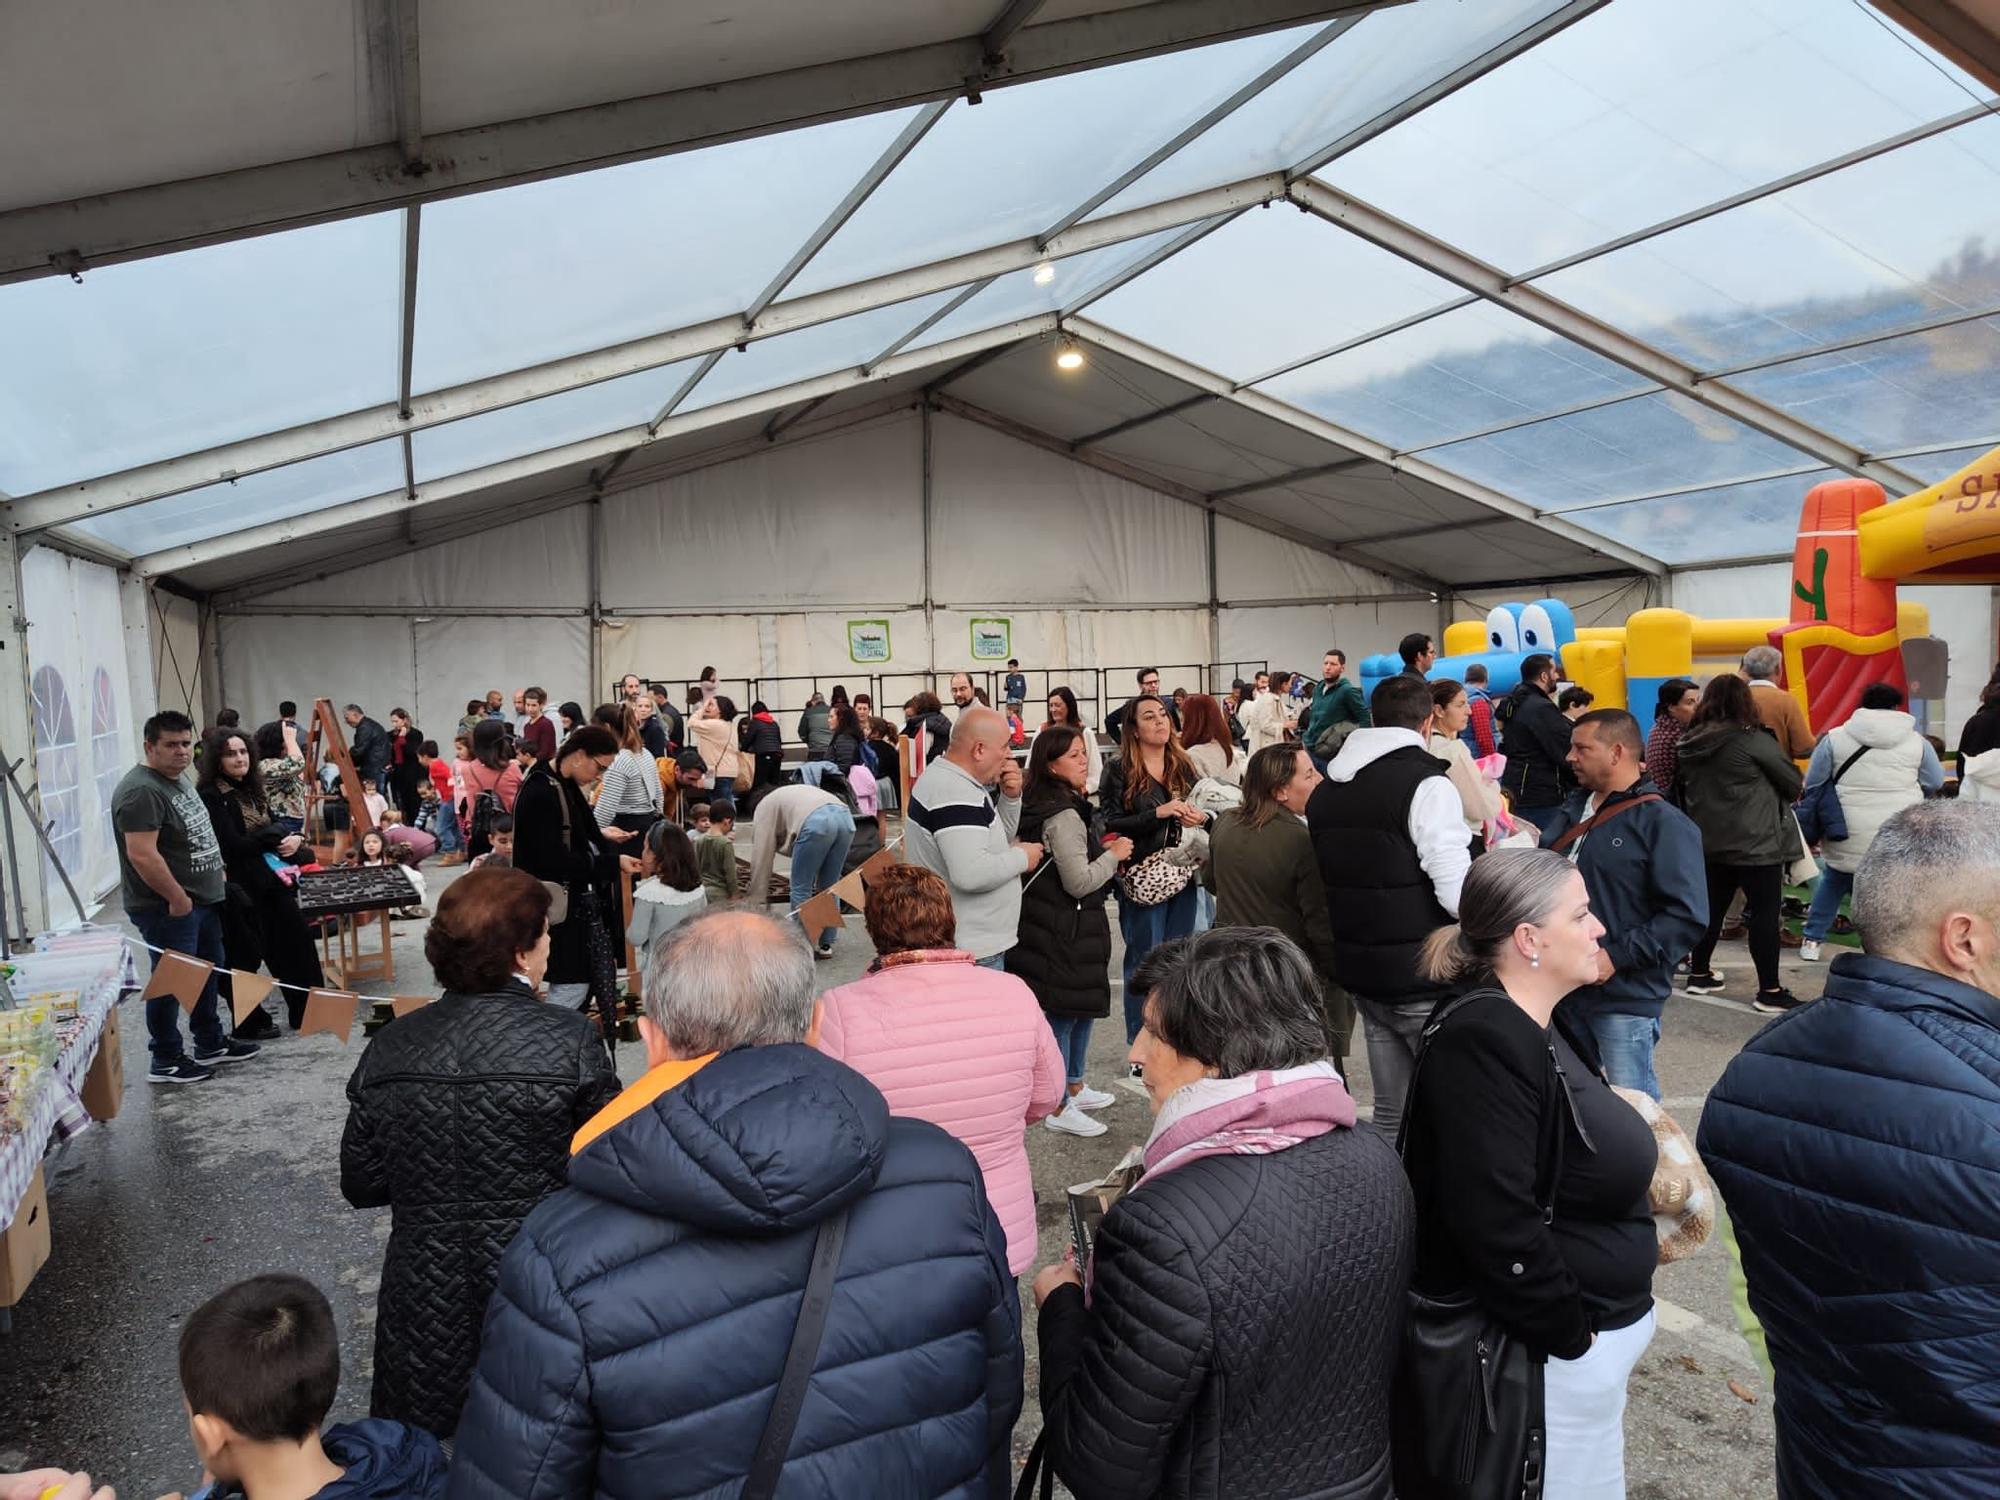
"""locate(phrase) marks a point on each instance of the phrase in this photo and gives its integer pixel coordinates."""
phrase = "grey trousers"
(1392, 1055)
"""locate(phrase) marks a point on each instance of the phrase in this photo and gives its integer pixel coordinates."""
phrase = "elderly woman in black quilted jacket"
(1246, 1298)
(459, 1119)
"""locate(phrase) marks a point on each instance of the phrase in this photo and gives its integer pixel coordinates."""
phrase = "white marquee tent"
(396, 349)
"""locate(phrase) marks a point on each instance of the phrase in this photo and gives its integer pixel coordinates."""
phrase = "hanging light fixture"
(1069, 354)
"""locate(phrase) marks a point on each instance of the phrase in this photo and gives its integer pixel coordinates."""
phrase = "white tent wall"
(365, 659)
(456, 661)
(1252, 564)
(180, 654)
(539, 563)
(84, 735)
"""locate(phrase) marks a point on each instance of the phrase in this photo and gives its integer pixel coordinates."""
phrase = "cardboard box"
(103, 1088)
(24, 1245)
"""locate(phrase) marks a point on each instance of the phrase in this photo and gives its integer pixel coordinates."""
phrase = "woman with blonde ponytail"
(1530, 1175)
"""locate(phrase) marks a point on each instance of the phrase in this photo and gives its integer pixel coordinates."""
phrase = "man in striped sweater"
(960, 828)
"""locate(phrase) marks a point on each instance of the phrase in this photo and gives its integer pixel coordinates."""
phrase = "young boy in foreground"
(260, 1365)
(715, 854)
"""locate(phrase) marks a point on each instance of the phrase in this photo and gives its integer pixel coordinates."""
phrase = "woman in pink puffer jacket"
(947, 1041)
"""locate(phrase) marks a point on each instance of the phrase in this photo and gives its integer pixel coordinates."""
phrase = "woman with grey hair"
(1531, 1176)
(1241, 1328)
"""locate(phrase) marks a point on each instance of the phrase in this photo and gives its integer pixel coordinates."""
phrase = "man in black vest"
(1389, 831)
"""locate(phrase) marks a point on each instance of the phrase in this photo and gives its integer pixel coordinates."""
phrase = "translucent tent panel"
(1025, 156)
(532, 273)
(272, 495)
(551, 421)
(160, 357)
(1932, 467)
(1713, 525)
(1271, 286)
(1636, 447)
(1049, 287)
(1451, 375)
(1921, 390)
(1879, 245)
(1643, 110)
(1388, 56)
(821, 349)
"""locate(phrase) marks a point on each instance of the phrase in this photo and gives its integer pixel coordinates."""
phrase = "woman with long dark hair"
(1063, 949)
(1738, 785)
(490, 781)
(557, 840)
(848, 740)
(1263, 871)
(261, 921)
(406, 771)
(1209, 744)
(1063, 711)
(628, 797)
(715, 740)
(1144, 797)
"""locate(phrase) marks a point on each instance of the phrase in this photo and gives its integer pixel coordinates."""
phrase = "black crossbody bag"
(1471, 1393)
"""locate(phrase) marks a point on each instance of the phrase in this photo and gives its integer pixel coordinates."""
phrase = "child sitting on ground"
(260, 1366)
(501, 836)
(715, 854)
(671, 892)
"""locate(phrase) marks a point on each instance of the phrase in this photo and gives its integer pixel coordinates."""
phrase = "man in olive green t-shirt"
(171, 868)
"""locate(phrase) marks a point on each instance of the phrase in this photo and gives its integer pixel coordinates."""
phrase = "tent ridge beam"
(1118, 429)
(1294, 476)
(130, 223)
(134, 486)
(1416, 468)
(1538, 307)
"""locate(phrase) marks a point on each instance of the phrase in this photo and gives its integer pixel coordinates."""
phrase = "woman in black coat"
(556, 838)
(1531, 1177)
(1063, 950)
(459, 1118)
(261, 921)
(1246, 1299)
(924, 713)
(406, 772)
(844, 745)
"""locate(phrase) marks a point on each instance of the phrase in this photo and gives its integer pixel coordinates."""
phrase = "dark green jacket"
(1342, 703)
(1739, 786)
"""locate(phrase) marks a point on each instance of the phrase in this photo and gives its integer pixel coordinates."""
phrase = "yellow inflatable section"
(1949, 533)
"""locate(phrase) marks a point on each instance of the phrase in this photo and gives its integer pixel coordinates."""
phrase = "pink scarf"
(1252, 1115)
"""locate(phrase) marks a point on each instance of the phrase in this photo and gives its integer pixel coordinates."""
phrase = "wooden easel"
(326, 722)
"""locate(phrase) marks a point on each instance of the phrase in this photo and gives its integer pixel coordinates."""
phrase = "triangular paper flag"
(402, 1005)
(875, 864)
(249, 991)
(820, 913)
(852, 891)
(330, 1011)
(180, 976)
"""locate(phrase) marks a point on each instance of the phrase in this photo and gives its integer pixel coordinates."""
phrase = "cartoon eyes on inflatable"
(1503, 631)
(1538, 631)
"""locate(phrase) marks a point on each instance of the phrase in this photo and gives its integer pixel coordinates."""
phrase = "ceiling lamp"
(1069, 355)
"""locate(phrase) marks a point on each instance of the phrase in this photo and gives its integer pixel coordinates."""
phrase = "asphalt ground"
(190, 1189)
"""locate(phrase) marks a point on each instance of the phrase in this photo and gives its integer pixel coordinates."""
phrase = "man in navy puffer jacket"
(634, 1346)
(1856, 1141)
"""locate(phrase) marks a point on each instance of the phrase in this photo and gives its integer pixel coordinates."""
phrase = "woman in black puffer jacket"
(459, 1119)
(1246, 1301)
(924, 713)
(1063, 951)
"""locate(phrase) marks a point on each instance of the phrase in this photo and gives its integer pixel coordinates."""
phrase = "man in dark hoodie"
(260, 1366)
(752, 1257)
(1536, 744)
(1641, 861)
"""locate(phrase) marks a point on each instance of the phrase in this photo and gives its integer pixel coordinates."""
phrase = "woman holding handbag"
(1535, 1239)
(1144, 798)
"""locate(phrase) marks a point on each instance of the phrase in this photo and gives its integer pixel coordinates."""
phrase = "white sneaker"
(1090, 1098)
(1809, 951)
(1069, 1120)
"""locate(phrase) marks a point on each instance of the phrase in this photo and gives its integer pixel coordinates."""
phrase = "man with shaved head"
(963, 813)
(1856, 1141)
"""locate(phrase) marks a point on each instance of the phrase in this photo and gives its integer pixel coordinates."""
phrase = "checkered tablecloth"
(105, 973)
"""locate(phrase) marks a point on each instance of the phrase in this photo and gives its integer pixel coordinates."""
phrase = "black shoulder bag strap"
(1845, 764)
(762, 1481)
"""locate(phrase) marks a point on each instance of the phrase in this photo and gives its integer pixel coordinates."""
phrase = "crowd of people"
(789, 1250)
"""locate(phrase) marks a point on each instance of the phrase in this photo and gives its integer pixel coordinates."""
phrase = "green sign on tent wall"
(992, 640)
(867, 640)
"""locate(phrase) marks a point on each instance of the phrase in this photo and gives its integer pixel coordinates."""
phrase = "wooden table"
(355, 897)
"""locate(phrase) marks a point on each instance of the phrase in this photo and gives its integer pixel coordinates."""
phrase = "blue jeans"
(1072, 1035)
(1834, 885)
(1144, 929)
(1204, 908)
(1625, 1044)
(994, 961)
(724, 790)
(446, 825)
(198, 935)
(818, 855)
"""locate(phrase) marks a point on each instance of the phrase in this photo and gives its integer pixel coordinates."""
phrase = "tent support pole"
(1214, 599)
(596, 646)
(924, 501)
(23, 831)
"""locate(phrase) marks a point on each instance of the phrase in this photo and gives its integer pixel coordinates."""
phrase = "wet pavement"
(190, 1189)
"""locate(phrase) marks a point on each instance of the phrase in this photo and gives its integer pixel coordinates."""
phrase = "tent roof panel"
(1108, 390)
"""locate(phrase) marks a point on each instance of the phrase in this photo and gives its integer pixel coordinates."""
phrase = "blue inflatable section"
(1514, 632)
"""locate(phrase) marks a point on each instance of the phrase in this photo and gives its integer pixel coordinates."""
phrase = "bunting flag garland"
(248, 991)
(821, 912)
(329, 1011)
(182, 977)
(402, 1005)
(877, 862)
(853, 891)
